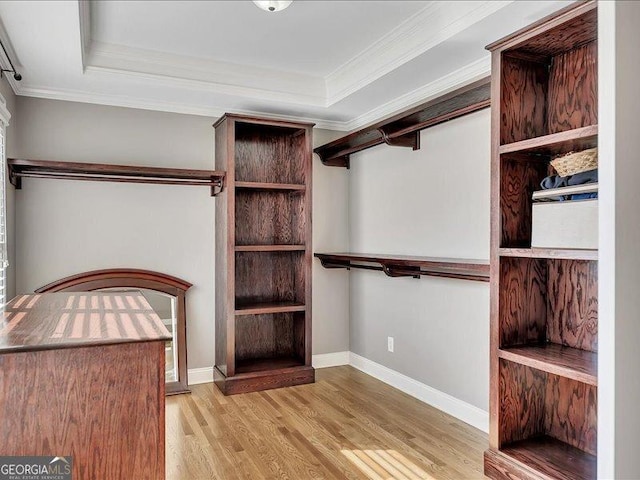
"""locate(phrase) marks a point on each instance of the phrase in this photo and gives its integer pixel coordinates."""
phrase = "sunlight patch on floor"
(385, 465)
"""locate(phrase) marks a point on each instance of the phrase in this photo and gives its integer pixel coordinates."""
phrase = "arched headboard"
(136, 278)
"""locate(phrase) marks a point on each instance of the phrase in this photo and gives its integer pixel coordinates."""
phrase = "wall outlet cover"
(390, 344)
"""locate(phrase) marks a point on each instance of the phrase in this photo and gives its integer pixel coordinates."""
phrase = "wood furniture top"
(402, 130)
(102, 172)
(134, 278)
(409, 266)
(63, 320)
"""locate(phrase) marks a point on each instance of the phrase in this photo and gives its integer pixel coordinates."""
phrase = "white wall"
(330, 234)
(432, 202)
(10, 98)
(66, 227)
(619, 263)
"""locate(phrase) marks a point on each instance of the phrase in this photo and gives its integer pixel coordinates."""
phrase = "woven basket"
(576, 162)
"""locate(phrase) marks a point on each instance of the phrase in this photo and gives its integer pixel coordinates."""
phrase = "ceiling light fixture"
(272, 6)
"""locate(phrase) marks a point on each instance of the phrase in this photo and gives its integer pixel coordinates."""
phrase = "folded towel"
(556, 181)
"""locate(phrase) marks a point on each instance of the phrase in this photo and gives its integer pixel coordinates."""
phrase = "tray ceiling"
(341, 64)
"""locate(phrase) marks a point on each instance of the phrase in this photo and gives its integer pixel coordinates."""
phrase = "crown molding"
(404, 43)
(160, 106)
(463, 76)
(456, 79)
(181, 71)
(407, 41)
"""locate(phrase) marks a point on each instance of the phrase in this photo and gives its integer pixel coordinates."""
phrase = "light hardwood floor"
(347, 425)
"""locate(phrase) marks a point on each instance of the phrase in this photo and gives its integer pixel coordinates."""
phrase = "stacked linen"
(554, 182)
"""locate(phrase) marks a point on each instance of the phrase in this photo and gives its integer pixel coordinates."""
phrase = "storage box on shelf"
(263, 255)
(544, 301)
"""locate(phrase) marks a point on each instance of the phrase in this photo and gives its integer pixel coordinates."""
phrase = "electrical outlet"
(390, 344)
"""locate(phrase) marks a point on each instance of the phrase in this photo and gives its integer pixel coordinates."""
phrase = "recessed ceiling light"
(272, 6)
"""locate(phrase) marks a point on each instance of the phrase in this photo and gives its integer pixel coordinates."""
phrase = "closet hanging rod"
(405, 266)
(101, 172)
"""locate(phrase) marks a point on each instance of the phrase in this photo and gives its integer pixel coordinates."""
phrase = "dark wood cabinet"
(544, 302)
(263, 254)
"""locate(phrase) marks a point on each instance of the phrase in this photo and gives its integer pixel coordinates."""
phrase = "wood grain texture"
(540, 458)
(102, 172)
(224, 243)
(263, 251)
(535, 402)
(573, 89)
(344, 426)
(544, 85)
(571, 412)
(269, 277)
(522, 406)
(557, 253)
(136, 278)
(269, 186)
(556, 143)
(558, 32)
(522, 301)
(569, 35)
(65, 320)
(523, 100)
(401, 129)
(264, 374)
(270, 307)
(103, 405)
(269, 154)
(269, 217)
(568, 362)
(266, 335)
(572, 310)
(414, 266)
(518, 181)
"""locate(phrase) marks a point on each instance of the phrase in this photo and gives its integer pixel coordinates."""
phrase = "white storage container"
(567, 224)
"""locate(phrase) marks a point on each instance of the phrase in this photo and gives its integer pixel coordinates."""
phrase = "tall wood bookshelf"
(263, 254)
(544, 302)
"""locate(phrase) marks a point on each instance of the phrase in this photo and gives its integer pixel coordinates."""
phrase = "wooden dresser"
(82, 374)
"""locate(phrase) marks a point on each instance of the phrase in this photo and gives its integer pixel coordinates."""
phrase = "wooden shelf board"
(270, 248)
(270, 307)
(402, 129)
(550, 253)
(408, 266)
(266, 364)
(270, 186)
(553, 458)
(556, 143)
(573, 363)
(101, 172)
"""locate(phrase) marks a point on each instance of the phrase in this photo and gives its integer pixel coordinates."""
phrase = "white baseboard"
(200, 375)
(335, 359)
(323, 360)
(453, 406)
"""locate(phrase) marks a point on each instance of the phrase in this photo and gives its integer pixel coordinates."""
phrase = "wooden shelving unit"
(263, 255)
(408, 266)
(567, 141)
(102, 172)
(544, 302)
(403, 129)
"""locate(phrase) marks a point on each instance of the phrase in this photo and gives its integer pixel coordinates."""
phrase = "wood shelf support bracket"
(336, 161)
(395, 271)
(411, 139)
(334, 264)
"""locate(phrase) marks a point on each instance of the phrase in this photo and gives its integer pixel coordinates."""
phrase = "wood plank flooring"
(347, 425)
